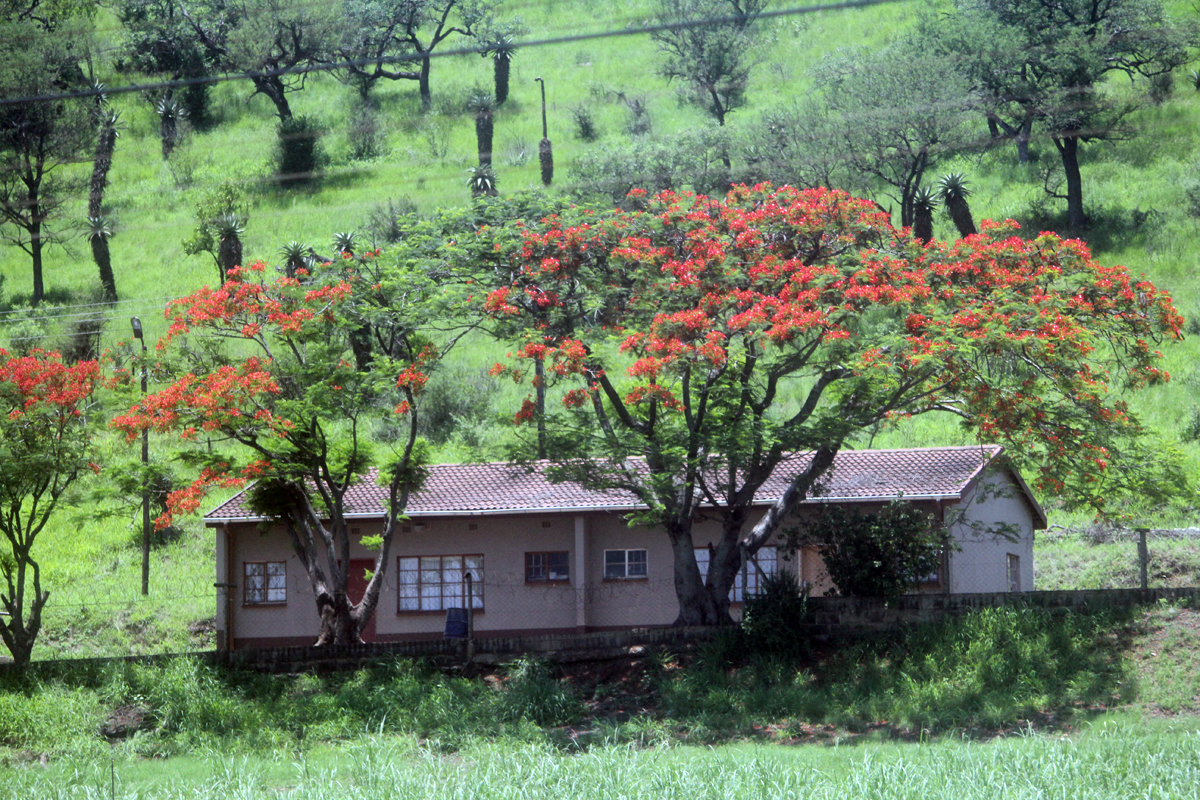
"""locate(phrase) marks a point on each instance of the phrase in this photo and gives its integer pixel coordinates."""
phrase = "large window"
(763, 563)
(265, 583)
(548, 567)
(435, 583)
(625, 564)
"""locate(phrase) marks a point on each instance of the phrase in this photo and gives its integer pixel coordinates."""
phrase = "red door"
(356, 586)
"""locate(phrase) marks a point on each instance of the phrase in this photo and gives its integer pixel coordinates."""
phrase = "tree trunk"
(546, 157)
(718, 110)
(423, 84)
(21, 630)
(1068, 148)
(103, 261)
(1022, 139)
(923, 223)
(338, 623)
(229, 255)
(35, 254)
(539, 368)
(696, 606)
(483, 136)
(168, 132)
(960, 213)
(105, 146)
(272, 86)
(502, 68)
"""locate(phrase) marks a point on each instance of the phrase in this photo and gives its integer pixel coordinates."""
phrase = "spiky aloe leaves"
(953, 192)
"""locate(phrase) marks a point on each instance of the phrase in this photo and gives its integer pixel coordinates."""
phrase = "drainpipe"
(945, 551)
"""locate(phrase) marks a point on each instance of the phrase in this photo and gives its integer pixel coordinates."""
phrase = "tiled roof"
(500, 488)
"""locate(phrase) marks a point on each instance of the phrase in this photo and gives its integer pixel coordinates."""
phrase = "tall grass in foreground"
(1111, 761)
(989, 670)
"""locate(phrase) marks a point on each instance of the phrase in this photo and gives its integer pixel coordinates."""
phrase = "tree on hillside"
(159, 42)
(709, 51)
(45, 446)
(99, 226)
(385, 29)
(291, 396)
(39, 138)
(263, 38)
(1034, 62)
(697, 347)
(893, 113)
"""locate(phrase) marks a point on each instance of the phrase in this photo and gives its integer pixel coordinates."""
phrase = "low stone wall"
(487, 650)
(829, 618)
(838, 617)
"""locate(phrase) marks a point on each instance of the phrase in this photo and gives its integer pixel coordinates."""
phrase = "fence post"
(470, 617)
(1143, 557)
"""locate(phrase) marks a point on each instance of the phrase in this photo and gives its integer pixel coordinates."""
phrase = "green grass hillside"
(1136, 192)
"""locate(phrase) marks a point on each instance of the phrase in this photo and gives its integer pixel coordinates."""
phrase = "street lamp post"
(137, 334)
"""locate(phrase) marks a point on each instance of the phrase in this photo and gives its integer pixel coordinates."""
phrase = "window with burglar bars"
(763, 563)
(435, 583)
(265, 583)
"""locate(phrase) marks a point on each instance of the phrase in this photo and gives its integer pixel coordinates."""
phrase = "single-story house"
(557, 558)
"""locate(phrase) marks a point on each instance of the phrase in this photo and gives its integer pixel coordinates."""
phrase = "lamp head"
(137, 327)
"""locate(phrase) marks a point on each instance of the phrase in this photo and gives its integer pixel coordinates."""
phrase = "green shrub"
(771, 619)
(585, 126)
(531, 692)
(299, 157)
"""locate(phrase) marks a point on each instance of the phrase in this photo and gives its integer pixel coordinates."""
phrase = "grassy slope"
(90, 564)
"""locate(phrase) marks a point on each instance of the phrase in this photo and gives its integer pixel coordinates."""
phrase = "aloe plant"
(227, 229)
(296, 255)
(502, 50)
(482, 181)
(483, 106)
(953, 192)
(171, 115)
(924, 202)
(99, 227)
(345, 242)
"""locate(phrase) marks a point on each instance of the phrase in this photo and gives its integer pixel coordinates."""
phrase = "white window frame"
(767, 559)
(627, 568)
(264, 583)
(436, 583)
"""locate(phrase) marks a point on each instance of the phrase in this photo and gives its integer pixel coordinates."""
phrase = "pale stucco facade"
(586, 599)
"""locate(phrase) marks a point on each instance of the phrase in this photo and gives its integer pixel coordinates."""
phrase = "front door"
(356, 587)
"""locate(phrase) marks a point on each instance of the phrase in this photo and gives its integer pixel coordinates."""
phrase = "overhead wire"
(350, 169)
(400, 58)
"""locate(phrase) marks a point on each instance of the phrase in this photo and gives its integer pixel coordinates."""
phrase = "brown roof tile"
(500, 488)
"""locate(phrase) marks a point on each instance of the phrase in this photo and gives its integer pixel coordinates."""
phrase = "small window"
(265, 583)
(547, 567)
(625, 564)
(763, 563)
(1014, 572)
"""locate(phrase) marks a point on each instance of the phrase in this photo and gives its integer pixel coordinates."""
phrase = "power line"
(412, 57)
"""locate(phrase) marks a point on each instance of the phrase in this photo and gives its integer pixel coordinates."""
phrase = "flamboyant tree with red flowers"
(697, 346)
(304, 383)
(45, 445)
